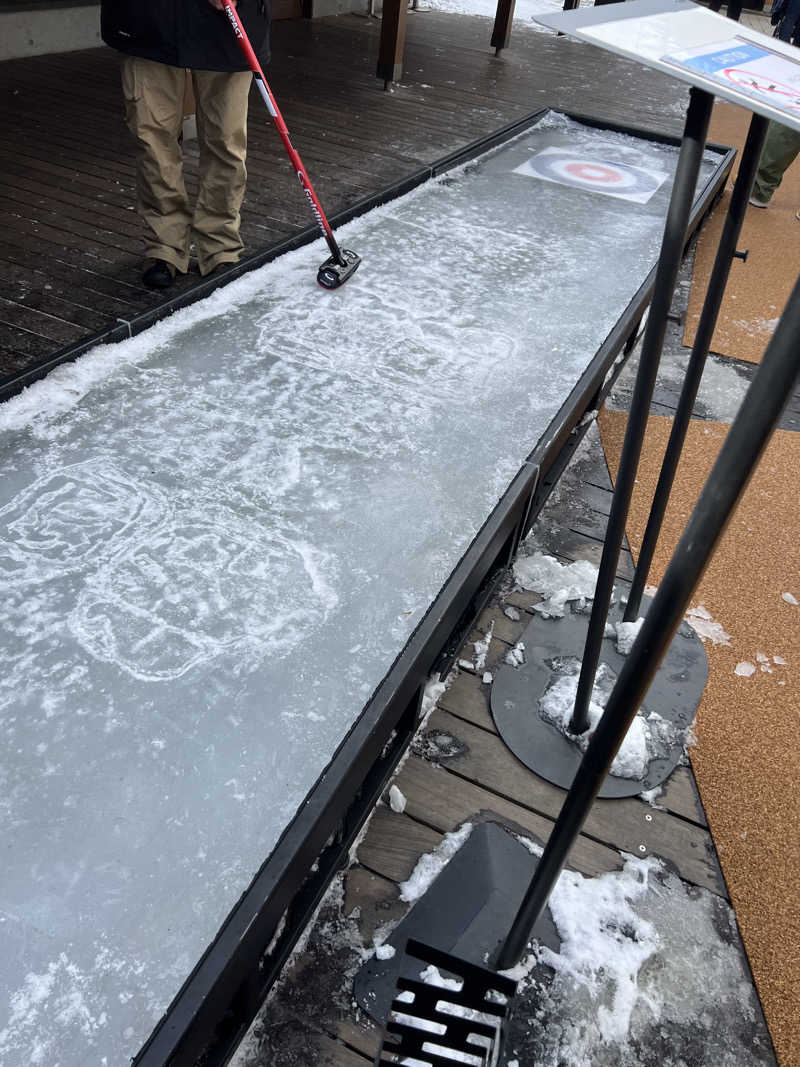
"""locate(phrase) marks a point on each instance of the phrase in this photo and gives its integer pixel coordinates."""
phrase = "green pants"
(780, 150)
(154, 111)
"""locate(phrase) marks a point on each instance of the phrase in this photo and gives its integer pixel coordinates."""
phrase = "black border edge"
(221, 995)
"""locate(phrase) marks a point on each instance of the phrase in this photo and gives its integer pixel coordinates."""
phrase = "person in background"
(782, 144)
(162, 41)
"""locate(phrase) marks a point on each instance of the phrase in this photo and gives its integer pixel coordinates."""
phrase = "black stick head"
(332, 273)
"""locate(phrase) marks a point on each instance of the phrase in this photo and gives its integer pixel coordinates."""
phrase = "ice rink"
(215, 538)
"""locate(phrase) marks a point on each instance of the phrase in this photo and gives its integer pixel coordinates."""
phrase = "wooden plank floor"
(70, 242)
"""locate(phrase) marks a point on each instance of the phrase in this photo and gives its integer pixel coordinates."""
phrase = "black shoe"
(159, 275)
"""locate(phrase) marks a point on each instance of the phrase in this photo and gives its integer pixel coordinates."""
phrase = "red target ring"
(594, 172)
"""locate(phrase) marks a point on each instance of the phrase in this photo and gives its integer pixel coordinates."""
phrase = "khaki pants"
(154, 113)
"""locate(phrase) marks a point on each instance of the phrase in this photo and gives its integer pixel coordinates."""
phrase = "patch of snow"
(384, 952)
(525, 11)
(745, 669)
(649, 735)
(790, 598)
(429, 865)
(488, 678)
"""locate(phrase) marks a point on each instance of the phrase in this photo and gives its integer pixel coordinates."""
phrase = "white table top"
(698, 46)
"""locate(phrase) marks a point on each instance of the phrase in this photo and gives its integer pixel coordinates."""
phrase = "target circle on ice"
(596, 174)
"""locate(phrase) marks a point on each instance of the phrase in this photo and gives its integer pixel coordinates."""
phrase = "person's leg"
(781, 147)
(222, 134)
(154, 112)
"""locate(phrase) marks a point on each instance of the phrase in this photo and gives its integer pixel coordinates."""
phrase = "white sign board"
(701, 47)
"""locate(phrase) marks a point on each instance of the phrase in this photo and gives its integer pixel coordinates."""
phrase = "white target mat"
(606, 175)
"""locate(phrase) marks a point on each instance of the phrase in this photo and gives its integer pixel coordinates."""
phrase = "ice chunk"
(558, 583)
(397, 801)
(626, 634)
(703, 624)
(790, 598)
(745, 669)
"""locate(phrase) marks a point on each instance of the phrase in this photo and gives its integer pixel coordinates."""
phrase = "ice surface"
(215, 538)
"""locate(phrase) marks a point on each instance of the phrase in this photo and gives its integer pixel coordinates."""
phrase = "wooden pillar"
(501, 34)
(393, 40)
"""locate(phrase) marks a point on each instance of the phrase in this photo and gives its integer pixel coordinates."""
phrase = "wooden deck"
(70, 243)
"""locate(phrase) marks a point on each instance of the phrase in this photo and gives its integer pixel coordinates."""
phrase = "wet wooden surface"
(70, 241)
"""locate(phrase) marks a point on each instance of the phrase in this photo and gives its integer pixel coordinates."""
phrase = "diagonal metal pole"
(697, 360)
(747, 438)
(672, 246)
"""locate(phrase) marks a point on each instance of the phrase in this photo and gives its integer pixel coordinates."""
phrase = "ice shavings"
(557, 583)
(482, 648)
(702, 622)
(649, 735)
(745, 669)
(431, 863)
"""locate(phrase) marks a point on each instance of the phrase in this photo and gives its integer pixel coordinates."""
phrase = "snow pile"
(648, 971)
(525, 11)
(429, 865)
(556, 582)
(649, 734)
(702, 622)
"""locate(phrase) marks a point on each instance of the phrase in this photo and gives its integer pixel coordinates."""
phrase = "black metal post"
(743, 447)
(697, 360)
(672, 246)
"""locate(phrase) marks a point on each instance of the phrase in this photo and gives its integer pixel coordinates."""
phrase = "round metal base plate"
(674, 694)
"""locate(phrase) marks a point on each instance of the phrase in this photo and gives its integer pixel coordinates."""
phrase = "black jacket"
(184, 33)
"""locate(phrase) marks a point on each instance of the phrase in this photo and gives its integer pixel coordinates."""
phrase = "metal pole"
(672, 245)
(697, 360)
(743, 447)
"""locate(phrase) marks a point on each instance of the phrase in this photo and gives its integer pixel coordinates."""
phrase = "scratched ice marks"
(162, 585)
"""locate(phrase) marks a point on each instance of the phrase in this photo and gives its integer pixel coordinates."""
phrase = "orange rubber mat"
(747, 758)
(757, 289)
